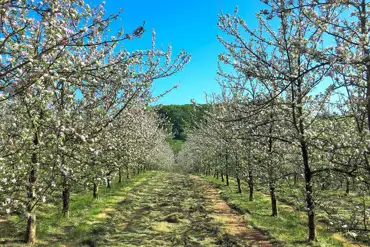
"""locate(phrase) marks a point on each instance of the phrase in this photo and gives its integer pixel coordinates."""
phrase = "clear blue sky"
(187, 24)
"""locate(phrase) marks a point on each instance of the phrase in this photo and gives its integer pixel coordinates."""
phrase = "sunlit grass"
(289, 228)
(85, 212)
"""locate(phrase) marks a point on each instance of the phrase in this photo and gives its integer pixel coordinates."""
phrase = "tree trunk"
(347, 185)
(309, 200)
(96, 191)
(31, 207)
(251, 185)
(32, 200)
(119, 176)
(239, 185)
(273, 200)
(66, 196)
(217, 174)
(222, 177)
(227, 179)
(127, 173)
(31, 229)
(108, 183)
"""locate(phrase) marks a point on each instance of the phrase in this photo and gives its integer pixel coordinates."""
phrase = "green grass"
(289, 228)
(85, 213)
(154, 209)
(161, 209)
(334, 208)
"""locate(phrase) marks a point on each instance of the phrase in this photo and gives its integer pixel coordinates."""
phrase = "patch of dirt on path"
(234, 225)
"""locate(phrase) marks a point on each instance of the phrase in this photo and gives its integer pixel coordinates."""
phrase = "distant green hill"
(183, 118)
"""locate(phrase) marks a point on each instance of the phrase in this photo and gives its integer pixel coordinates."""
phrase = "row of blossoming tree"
(295, 105)
(74, 104)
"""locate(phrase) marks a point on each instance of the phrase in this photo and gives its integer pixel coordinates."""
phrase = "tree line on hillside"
(182, 118)
(74, 104)
(294, 109)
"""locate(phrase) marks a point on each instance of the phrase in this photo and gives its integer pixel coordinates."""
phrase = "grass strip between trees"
(53, 229)
(288, 228)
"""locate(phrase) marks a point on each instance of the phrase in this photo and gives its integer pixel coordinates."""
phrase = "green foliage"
(183, 118)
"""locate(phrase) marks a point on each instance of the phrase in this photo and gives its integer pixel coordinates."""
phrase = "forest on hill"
(182, 118)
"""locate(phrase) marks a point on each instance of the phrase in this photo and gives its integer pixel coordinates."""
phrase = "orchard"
(283, 142)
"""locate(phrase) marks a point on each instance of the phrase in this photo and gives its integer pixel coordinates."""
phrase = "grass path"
(159, 209)
(233, 224)
(173, 210)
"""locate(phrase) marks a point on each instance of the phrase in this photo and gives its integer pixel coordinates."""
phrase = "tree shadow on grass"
(171, 213)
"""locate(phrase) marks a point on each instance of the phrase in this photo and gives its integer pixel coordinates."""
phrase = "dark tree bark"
(222, 177)
(227, 179)
(239, 185)
(108, 183)
(309, 199)
(65, 196)
(273, 200)
(250, 185)
(96, 191)
(119, 176)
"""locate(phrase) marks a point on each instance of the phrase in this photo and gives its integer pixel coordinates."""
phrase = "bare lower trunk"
(239, 185)
(96, 191)
(31, 208)
(32, 200)
(119, 175)
(108, 183)
(309, 199)
(273, 200)
(222, 177)
(31, 229)
(250, 185)
(217, 174)
(66, 196)
(347, 185)
(127, 173)
(227, 179)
